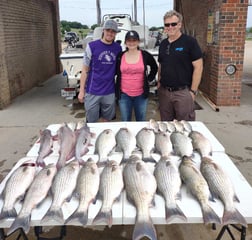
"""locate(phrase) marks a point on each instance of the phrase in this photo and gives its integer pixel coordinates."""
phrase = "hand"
(81, 96)
(193, 96)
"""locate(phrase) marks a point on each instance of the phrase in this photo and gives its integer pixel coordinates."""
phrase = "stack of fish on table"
(146, 166)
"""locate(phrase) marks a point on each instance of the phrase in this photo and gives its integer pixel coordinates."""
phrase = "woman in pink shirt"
(133, 77)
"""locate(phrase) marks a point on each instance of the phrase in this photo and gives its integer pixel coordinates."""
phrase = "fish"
(16, 187)
(182, 144)
(126, 142)
(154, 125)
(169, 185)
(62, 188)
(201, 144)
(83, 141)
(178, 126)
(145, 140)
(222, 187)
(45, 148)
(170, 127)
(187, 126)
(198, 187)
(67, 141)
(72, 125)
(86, 190)
(104, 145)
(163, 143)
(162, 126)
(36, 193)
(140, 186)
(110, 188)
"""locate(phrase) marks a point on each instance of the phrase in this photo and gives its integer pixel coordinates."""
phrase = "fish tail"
(55, 214)
(60, 164)
(209, 216)
(9, 213)
(81, 161)
(80, 216)
(232, 217)
(20, 222)
(174, 211)
(125, 159)
(40, 162)
(104, 216)
(149, 159)
(144, 228)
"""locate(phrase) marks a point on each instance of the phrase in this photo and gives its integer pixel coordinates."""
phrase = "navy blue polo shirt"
(176, 61)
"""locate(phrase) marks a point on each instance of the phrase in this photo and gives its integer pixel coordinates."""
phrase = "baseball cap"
(111, 24)
(132, 34)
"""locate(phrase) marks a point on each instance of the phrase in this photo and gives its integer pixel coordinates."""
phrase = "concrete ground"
(21, 121)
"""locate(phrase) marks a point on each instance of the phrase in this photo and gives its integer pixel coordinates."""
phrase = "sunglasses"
(171, 24)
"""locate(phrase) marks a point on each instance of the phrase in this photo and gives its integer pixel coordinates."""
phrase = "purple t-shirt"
(101, 59)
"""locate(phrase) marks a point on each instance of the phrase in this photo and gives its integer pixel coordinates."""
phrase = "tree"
(94, 26)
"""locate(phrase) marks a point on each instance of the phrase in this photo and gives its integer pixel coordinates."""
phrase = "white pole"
(144, 23)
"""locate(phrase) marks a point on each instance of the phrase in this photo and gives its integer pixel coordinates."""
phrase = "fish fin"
(40, 162)
(209, 216)
(68, 199)
(11, 213)
(211, 197)
(233, 217)
(20, 222)
(55, 137)
(101, 164)
(60, 165)
(178, 196)
(93, 135)
(144, 229)
(236, 199)
(79, 216)
(173, 211)
(153, 203)
(105, 217)
(55, 214)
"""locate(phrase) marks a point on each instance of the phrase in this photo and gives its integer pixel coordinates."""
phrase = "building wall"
(29, 45)
(219, 26)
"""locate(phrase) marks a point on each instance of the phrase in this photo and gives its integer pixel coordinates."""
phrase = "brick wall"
(222, 43)
(4, 84)
(29, 50)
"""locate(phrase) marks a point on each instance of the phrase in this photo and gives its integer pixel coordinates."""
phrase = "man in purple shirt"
(97, 82)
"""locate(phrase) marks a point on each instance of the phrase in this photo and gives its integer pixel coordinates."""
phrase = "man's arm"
(159, 75)
(197, 74)
(83, 80)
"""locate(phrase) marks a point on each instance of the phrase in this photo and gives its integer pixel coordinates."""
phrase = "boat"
(71, 58)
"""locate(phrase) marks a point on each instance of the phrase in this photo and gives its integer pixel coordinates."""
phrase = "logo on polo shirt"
(179, 49)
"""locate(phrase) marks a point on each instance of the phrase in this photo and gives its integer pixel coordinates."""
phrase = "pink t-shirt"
(132, 80)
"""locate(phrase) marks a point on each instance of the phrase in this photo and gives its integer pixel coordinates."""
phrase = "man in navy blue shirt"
(180, 71)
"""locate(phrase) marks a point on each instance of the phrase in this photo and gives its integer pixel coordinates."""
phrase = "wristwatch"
(194, 92)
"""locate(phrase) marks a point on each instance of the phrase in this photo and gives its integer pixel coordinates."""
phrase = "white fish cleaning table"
(123, 212)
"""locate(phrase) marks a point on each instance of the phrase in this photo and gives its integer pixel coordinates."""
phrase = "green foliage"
(66, 26)
(156, 28)
(94, 26)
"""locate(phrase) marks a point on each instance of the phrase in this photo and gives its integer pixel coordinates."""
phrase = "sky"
(84, 11)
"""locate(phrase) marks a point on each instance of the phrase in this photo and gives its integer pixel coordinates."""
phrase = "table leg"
(241, 229)
(38, 231)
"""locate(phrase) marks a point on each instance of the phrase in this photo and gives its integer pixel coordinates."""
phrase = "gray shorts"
(99, 107)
